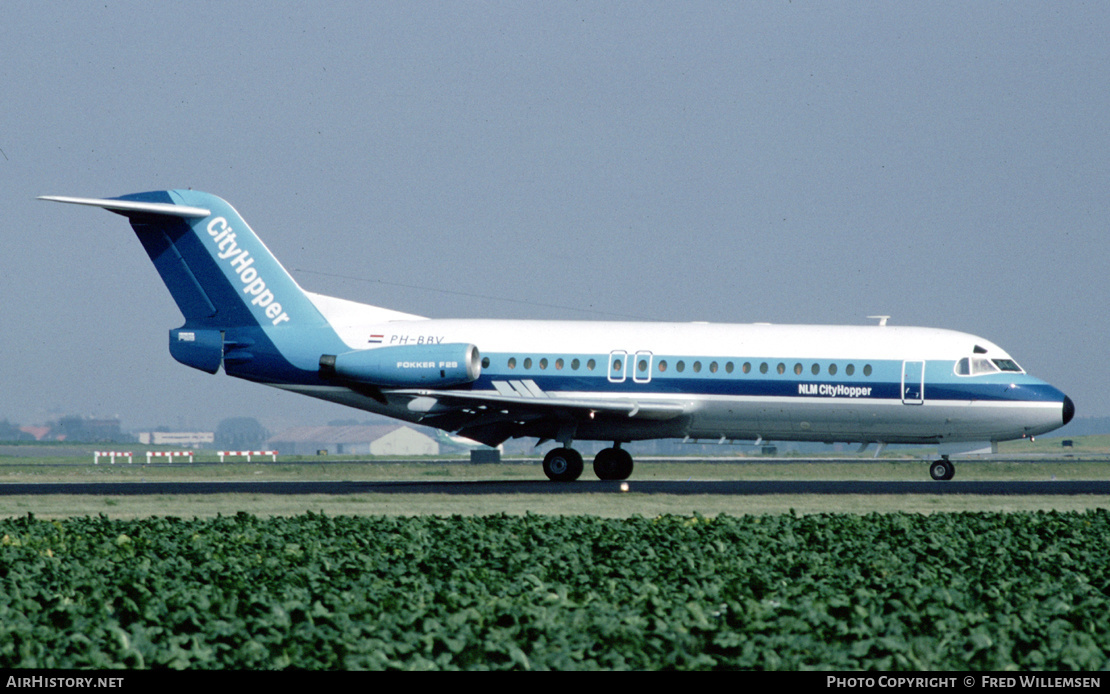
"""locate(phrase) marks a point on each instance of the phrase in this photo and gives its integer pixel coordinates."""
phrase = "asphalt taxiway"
(688, 487)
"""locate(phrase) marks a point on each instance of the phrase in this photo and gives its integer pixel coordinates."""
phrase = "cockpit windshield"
(977, 366)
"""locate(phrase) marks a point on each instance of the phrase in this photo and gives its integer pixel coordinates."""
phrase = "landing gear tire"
(562, 465)
(613, 464)
(942, 470)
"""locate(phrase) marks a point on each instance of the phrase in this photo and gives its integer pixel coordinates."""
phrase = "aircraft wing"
(521, 408)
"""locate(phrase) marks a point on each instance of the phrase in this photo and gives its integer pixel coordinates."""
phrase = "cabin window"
(797, 369)
(559, 364)
(728, 367)
(543, 363)
(662, 365)
(641, 365)
(747, 368)
(697, 367)
(781, 368)
(574, 364)
(850, 369)
(680, 366)
(832, 369)
(763, 368)
(485, 362)
(512, 362)
(713, 367)
(866, 369)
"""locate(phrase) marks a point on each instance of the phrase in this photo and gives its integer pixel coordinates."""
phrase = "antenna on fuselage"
(882, 319)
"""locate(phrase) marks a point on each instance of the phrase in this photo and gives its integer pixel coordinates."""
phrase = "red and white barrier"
(168, 454)
(248, 454)
(111, 456)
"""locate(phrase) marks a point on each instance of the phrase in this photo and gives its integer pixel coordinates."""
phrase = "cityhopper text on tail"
(567, 381)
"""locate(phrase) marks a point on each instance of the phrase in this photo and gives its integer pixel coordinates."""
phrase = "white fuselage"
(726, 381)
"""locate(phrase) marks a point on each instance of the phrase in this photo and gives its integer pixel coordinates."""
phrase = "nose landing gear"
(942, 470)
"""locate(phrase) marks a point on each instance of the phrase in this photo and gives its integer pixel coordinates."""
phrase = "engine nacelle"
(408, 366)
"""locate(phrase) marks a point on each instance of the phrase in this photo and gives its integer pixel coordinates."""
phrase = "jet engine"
(406, 366)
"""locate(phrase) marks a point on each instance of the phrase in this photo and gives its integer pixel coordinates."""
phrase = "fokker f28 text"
(566, 381)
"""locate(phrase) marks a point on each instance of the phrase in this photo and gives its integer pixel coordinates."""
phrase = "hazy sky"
(947, 164)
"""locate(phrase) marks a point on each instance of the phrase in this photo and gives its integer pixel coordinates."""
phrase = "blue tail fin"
(232, 291)
(218, 271)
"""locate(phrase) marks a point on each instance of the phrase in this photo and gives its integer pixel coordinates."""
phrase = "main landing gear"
(613, 464)
(564, 464)
(942, 470)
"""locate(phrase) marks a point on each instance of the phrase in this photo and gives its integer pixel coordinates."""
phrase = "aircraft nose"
(1069, 409)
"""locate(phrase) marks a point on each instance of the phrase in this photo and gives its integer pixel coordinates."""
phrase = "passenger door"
(618, 365)
(913, 382)
(642, 373)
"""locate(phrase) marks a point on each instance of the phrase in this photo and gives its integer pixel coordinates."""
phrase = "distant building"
(75, 428)
(39, 433)
(364, 439)
(184, 439)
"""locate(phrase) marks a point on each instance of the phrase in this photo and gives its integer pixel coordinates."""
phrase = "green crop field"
(555, 581)
(979, 591)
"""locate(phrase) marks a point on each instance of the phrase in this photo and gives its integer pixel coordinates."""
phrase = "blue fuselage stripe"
(885, 381)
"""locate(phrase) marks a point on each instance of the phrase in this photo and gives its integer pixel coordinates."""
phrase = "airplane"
(565, 381)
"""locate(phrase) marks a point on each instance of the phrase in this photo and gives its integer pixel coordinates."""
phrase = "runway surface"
(728, 488)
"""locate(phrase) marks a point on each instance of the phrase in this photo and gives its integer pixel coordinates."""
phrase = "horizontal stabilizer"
(129, 207)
